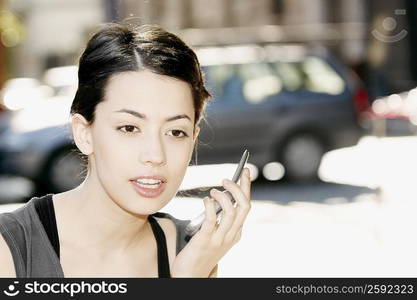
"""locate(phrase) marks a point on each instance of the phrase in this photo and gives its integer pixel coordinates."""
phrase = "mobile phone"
(196, 222)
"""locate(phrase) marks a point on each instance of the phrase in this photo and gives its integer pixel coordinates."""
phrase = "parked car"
(36, 144)
(283, 103)
(34, 132)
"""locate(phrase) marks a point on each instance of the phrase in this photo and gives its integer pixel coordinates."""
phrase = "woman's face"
(144, 127)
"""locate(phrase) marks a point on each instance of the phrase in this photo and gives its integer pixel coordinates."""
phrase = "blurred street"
(358, 221)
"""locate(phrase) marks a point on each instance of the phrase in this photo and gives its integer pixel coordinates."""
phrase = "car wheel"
(64, 171)
(301, 156)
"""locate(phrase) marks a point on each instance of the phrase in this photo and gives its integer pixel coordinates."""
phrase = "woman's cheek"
(183, 152)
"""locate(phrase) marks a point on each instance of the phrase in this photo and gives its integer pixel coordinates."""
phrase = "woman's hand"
(202, 253)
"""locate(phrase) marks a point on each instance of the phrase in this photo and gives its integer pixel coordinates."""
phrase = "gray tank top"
(32, 252)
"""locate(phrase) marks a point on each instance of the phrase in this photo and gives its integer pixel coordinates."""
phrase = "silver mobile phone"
(196, 222)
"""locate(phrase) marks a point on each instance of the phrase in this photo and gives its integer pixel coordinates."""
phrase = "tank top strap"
(46, 212)
(163, 261)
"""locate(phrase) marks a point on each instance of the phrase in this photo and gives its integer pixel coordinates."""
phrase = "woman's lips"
(142, 190)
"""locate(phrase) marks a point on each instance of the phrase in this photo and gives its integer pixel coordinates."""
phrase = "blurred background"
(321, 92)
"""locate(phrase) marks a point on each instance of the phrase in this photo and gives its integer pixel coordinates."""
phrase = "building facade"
(360, 32)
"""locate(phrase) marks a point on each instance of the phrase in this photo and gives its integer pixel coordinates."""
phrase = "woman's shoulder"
(22, 214)
(17, 225)
(16, 217)
(179, 224)
(11, 242)
(6, 260)
(14, 227)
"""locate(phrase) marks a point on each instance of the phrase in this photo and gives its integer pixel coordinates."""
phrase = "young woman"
(135, 116)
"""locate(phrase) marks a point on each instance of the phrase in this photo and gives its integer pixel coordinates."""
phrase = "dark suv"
(283, 103)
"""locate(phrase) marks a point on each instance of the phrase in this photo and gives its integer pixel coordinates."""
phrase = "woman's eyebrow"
(142, 116)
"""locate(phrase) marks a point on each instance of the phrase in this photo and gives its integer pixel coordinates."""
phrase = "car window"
(312, 74)
(256, 82)
(321, 77)
(216, 78)
(253, 82)
(259, 81)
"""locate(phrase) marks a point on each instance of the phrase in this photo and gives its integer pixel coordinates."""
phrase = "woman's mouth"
(148, 188)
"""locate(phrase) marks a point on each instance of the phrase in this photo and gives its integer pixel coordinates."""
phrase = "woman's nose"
(153, 152)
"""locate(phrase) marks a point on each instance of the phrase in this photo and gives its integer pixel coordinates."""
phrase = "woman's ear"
(81, 132)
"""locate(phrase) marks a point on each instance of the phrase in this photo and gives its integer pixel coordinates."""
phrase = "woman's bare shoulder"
(6, 260)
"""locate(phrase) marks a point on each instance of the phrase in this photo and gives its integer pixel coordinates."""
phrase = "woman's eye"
(178, 133)
(127, 128)
(130, 129)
